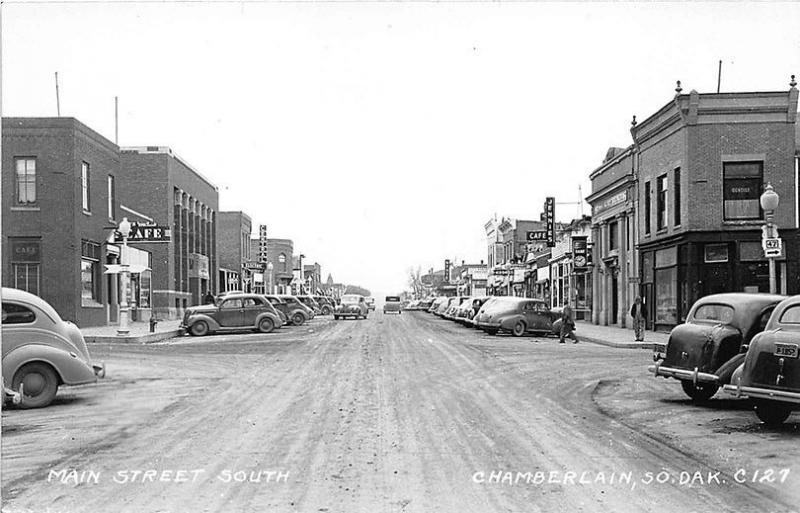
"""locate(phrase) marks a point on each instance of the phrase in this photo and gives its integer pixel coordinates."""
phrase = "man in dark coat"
(208, 298)
(567, 324)
(639, 314)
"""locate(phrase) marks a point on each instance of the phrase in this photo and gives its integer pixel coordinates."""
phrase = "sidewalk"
(617, 337)
(139, 333)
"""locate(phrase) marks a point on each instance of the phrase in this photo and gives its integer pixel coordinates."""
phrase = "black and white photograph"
(399, 256)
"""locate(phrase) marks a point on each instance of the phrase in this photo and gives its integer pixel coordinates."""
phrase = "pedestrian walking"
(639, 314)
(567, 324)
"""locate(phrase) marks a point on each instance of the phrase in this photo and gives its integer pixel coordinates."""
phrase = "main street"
(405, 413)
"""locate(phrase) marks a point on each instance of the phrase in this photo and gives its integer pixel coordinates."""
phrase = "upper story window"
(661, 202)
(87, 207)
(112, 198)
(741, 190)
(647, 194)
(613, 235)
(676, 200)
(26, 180)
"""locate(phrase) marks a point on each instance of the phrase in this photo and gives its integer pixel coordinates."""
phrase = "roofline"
(609, 163)
(166, 150)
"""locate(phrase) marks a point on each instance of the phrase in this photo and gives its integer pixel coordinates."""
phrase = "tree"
(415, 281)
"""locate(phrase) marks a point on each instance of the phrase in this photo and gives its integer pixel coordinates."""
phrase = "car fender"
(726, 370)
(300, 311)
(212, 324)
(509, 321)
(71, 370)
(275, 319)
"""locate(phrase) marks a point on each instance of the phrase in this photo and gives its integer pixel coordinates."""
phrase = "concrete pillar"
(622, 277)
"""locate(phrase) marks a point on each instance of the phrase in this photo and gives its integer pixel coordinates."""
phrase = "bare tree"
(415, 281)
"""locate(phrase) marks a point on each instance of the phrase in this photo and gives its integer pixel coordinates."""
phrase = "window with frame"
(613, 236)
(741, 190)
(85, 192)
(112, 199)
(647, 194)
(27, 277)
(676, 187)
(661, 202)
(26, 180)
(90, 273)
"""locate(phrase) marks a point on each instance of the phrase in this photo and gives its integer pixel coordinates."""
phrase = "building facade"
(60, 206)
(570, 276)
(280, 255)
(233, 233)
(615, 269)
(163, 186)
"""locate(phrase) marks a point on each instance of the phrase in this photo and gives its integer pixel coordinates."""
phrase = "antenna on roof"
(580, 199)
(719, 75)
(116, 120)
(58, 100)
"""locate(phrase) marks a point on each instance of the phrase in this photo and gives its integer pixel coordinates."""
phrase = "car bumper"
(487, 325)
(763, 393)
(695, 376)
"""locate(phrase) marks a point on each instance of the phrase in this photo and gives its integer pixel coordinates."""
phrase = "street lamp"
(124, 229)
(270, 267)
(300, 283)
(769, 202)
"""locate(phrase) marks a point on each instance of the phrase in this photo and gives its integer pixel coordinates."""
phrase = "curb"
(131, 339)
(624, 345)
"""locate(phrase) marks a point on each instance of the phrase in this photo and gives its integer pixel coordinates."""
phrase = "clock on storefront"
(580, 261)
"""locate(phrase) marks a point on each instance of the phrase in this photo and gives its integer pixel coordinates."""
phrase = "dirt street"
(406, 413)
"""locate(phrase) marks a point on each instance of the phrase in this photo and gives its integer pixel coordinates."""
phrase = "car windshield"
(714, 312)
(350, 300)
(392, 299)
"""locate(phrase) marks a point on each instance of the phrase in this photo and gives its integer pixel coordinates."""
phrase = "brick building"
(61, 202)
(163, 186)
(233, 236)
(280, 254)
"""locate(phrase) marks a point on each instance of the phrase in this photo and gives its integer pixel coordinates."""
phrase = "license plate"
(659, 348)
(786, 350)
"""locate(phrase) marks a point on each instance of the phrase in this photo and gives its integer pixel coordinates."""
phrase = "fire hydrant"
(153, 323)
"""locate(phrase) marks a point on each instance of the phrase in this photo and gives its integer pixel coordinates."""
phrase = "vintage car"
(370, 303)
(393, 304)
(310, 302)
(351, 305)
(704, 351)
(235, 312)
(770, 374)
(516, 315)
(41, 351)
(468, 309)
(445, 305)
(450, 313)
(326, 304)
(437, 302)
(296, 306)
(295, 312)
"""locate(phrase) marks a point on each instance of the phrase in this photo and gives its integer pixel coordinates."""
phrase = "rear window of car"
(392, 299)
(714, 312)
(350, 299)
(231, 303)
(791, 315)
(17, 314)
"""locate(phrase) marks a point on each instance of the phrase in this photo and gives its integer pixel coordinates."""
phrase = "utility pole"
(58, 100)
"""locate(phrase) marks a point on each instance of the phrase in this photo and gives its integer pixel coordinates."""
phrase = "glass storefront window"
(666, 296)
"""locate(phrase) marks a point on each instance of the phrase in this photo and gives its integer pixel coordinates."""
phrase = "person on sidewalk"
(208, 298)
(639, 314)
(567, 324)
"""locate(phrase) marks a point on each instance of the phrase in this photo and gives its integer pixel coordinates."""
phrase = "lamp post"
(769, 202)
(124, 229)
(300, 282)
(270, 267)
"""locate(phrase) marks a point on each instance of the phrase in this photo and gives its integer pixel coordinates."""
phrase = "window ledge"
(748, 222)
(87, 212)
(25, 209)
(662, 231)
(91, 305)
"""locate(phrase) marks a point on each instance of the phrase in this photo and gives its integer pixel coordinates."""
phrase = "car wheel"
(772, 413)
(326, 310)
(335, 317)
(297, 319)
(266, 325)
(699, 392)
(519, 329)
(39, 384)
(199, 329)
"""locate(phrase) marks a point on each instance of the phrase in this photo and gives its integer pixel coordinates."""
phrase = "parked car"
(235, 312)
(370, 303)
(41, 351)
(425, 304)
(393, 304)
(437, 302)
(770, 374)
(455, 304)
(310, 302)
(704, 351)
(326, 304)
(516, 315)
(445, 305)
(351, 305)
(294, 310)
(469, 308)
(292, 299)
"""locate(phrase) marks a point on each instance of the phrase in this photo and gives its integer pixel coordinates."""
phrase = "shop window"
(661, 202)
(90, 273)
(27, 277)
(750, 251)
(741, 190)
(26, 180)
(647, 194)
(716, 253)
(85, 192)
(676, 201)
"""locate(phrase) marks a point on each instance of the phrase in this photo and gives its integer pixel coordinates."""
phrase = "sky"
(381, 136)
